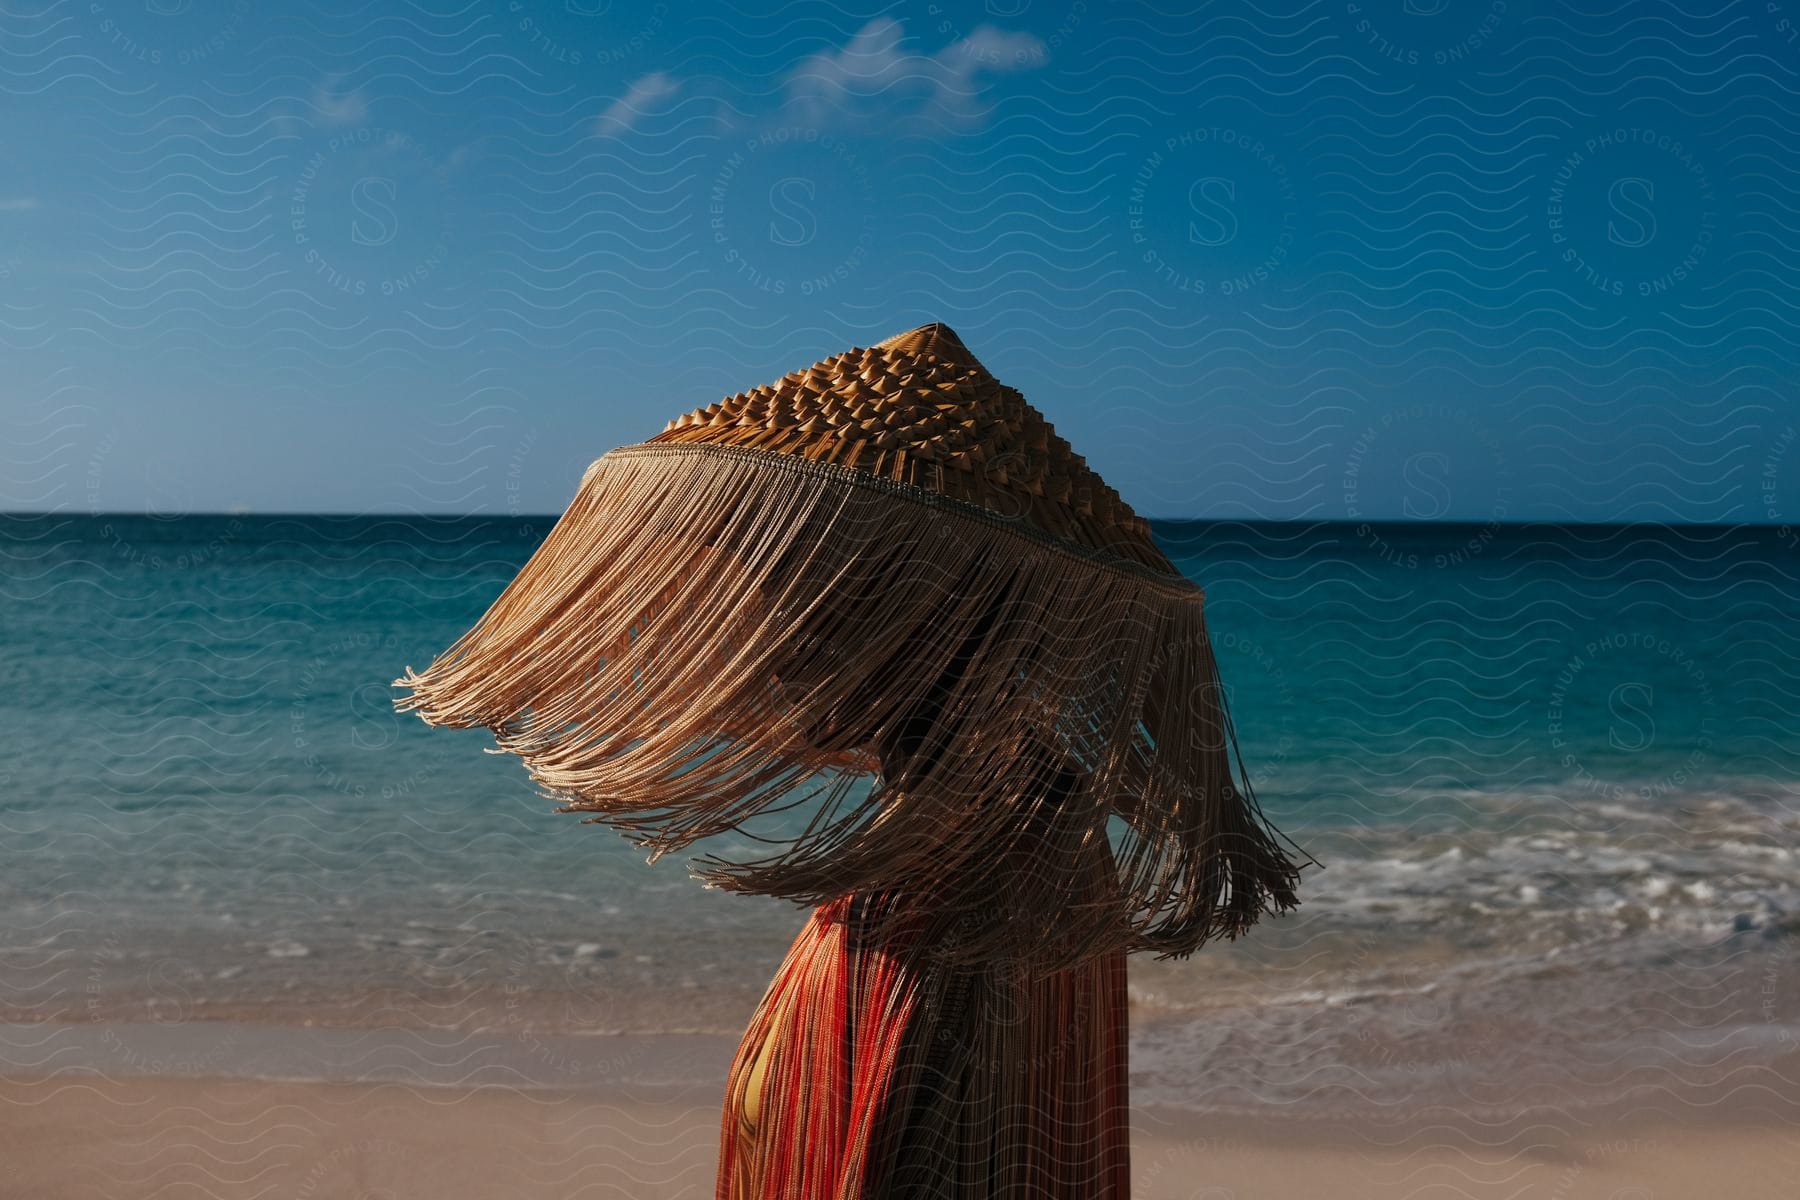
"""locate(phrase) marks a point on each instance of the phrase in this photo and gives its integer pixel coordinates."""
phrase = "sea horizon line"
(1348, 522)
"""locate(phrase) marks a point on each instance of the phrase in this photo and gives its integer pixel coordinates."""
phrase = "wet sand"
(67, 1139)
(276, 1115)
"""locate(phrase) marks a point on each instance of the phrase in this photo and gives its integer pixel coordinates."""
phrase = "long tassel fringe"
(713, 634)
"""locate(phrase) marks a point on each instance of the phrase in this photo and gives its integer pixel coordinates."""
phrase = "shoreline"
(1464, 1071)
(1570, 1035)
(74, 1134)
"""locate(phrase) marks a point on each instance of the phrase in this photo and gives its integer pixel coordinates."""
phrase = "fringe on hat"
(931, 698)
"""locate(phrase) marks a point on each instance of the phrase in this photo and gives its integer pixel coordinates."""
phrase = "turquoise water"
(1493, 737)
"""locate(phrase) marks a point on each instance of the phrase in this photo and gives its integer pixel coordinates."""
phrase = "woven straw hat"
(920, 409)
(886, 569)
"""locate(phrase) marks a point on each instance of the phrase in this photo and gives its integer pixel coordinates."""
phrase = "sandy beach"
(638, 1118)
(70, 1138)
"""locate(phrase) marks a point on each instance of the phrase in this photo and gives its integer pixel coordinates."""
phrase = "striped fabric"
(872, 1073)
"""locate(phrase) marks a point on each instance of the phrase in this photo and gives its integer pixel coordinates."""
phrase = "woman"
(889, 565)
(871, 1069)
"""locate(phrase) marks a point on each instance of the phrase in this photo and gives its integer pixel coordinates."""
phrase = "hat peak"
(919, 408)
(936, 338)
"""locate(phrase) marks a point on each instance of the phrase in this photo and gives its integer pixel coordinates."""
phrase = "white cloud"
(873, 81)
(17, 203)
(874, 77)
(336, 107)
(645, 95)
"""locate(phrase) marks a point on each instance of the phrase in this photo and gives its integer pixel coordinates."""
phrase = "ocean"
(1550, 772)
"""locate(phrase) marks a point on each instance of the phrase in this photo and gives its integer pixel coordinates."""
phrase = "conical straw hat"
(885, 569)
(920, 409)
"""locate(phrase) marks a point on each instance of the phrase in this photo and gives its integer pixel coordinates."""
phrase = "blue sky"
(1401, 260)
